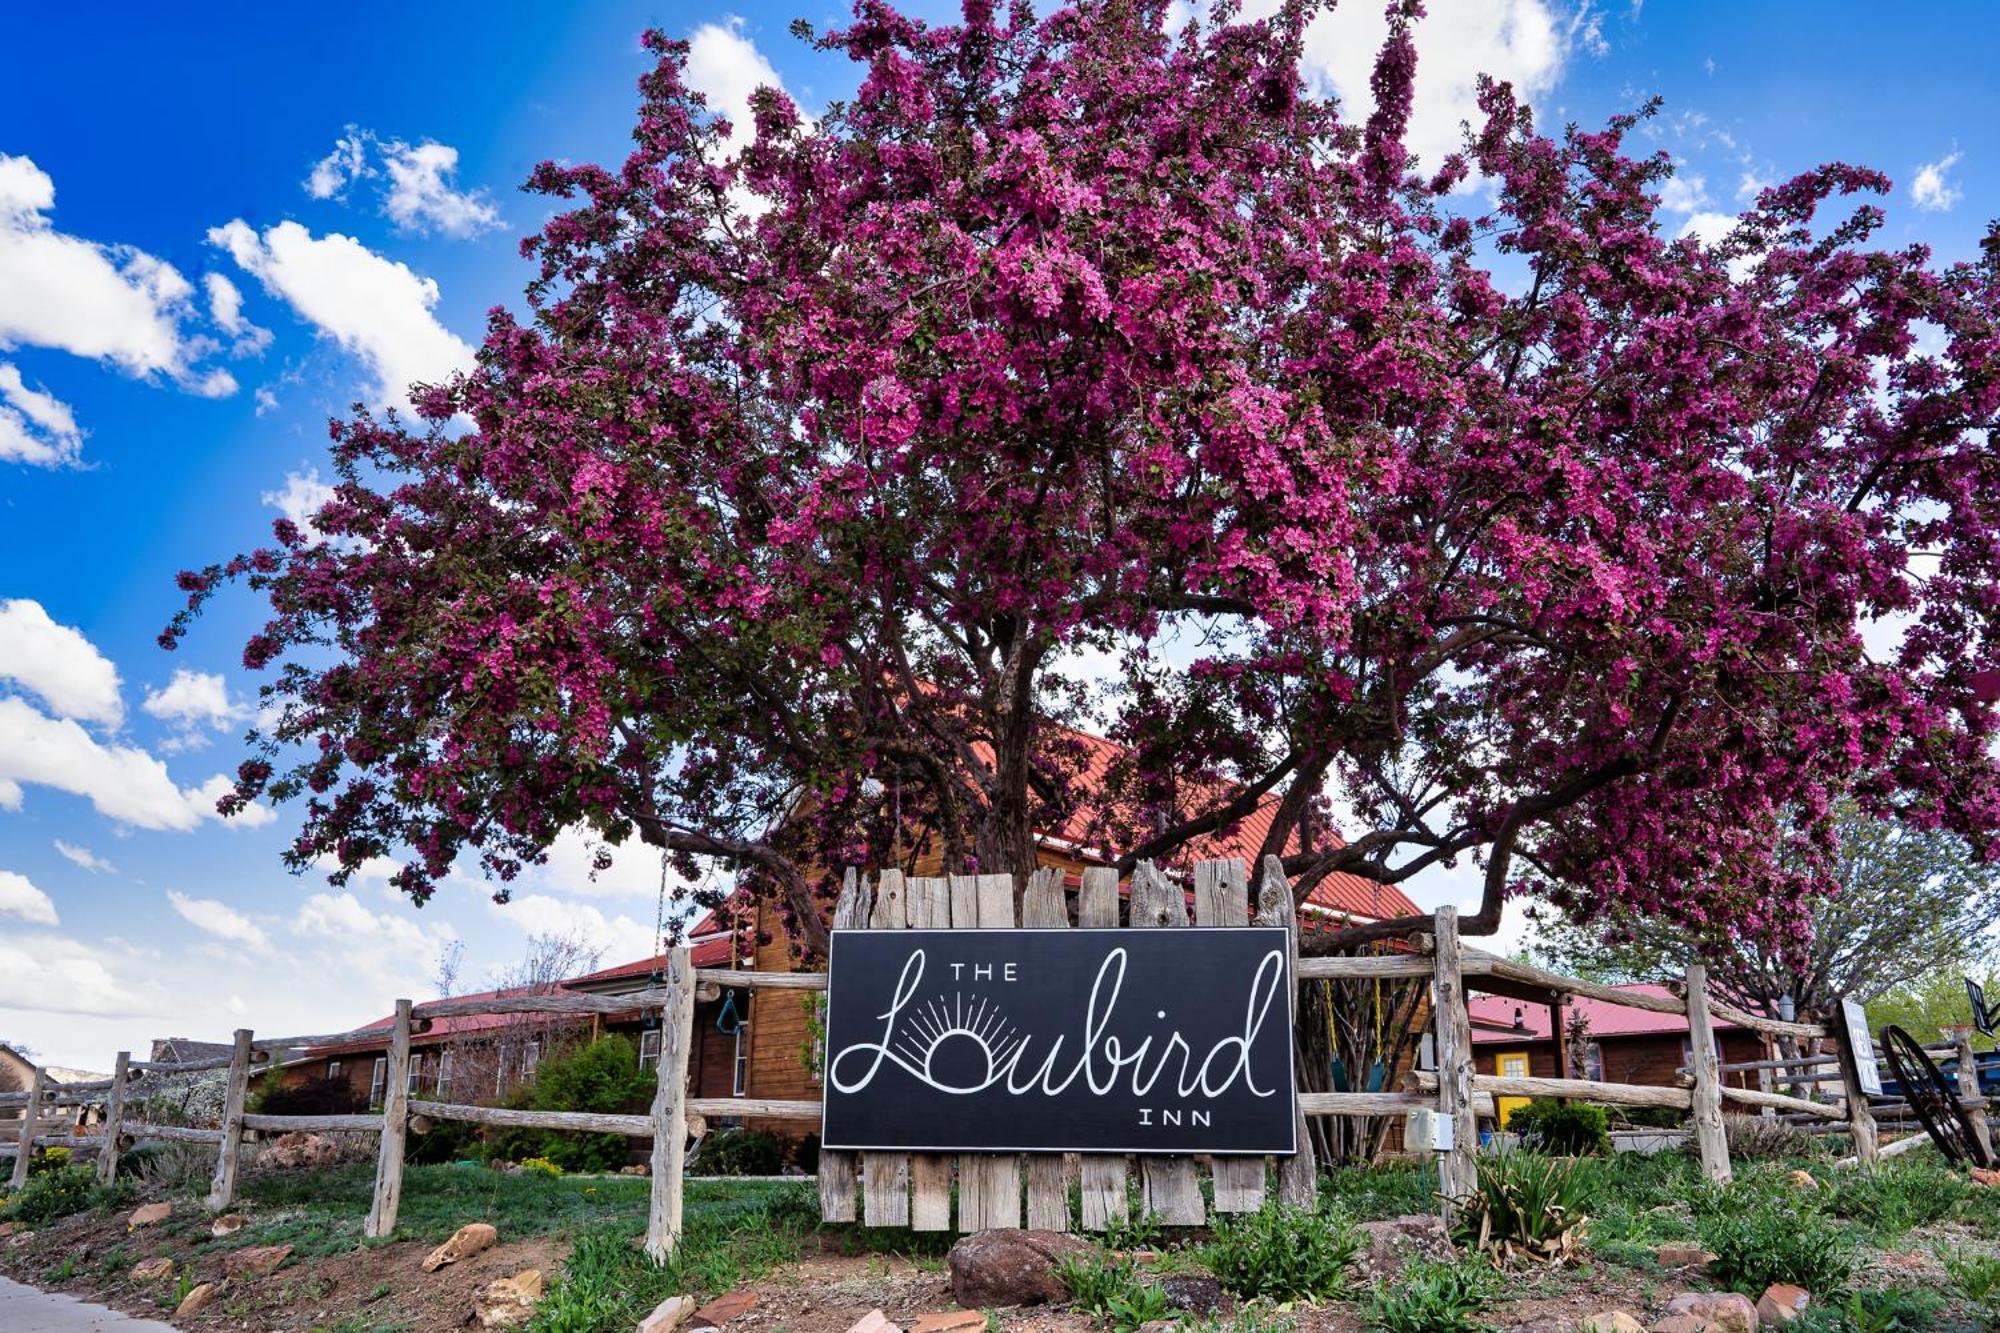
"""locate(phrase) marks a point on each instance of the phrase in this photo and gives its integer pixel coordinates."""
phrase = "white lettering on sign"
(962, 1044)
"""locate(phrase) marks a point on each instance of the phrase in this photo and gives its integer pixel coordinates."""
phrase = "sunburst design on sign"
(968, 1030)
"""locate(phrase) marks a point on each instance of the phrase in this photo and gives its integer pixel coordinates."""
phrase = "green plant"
(1137, 1306)
(1094, 1281)
(603, 1076)
(1898, 1196)
(541, 1166)
(1431, 1297)
(1974, 1277)
(1525, 1206)
(50, 1194)
(1760, 1238)
(1882, 1310)
(313, 1096)
(1756, 1138)
(739, 1152)
(175, 1167)
(1283, 1252)
(1574, 1129)
(1139, 1229)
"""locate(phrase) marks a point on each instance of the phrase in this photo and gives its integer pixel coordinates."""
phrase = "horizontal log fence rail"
(917, 1190)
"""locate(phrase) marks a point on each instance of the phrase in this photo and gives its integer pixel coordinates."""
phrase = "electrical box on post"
(1427, 1131)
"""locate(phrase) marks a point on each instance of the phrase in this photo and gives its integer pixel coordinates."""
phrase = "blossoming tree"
(780, 526)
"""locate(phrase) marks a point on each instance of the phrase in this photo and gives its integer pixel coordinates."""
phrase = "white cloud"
(219, 919)
(726, 67)
(23, 901)
(303, 496)
(122, 782)
(36, 428)
(421, 197)
(634, 871)
(84, 857)
(347, 162)
(110, 303)
(46, 973)
(58, 664)
(1516, 41)
(267, 402)
(373, 307)
(1683, 192)
(1930, 190)
(195, 699)
(620, 937)
(393, 952)
(225, 307)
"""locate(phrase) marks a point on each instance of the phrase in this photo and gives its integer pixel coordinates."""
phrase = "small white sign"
(1863, 1047)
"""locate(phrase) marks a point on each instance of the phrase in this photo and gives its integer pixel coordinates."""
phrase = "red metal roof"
(716, 951)
(1605, 1019)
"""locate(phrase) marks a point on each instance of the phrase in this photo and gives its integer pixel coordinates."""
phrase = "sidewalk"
(25, 1310)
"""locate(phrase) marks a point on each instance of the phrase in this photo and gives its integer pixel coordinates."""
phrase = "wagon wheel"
(1933, 1098)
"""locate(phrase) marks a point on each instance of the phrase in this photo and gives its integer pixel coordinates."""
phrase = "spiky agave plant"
(1525, 1206)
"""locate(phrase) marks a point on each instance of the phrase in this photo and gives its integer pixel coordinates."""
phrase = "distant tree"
(20, 1048)
(1924, 1006)
(444, 972)
(778, 529)
(548, 960)
(1910, 906)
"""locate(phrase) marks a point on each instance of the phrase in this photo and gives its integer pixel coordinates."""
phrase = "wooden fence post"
(663, 1219)
(928, 907)
(837, 1170)
(1860, 1120)
(1298, 1175)
(1103, 1174)
(885, 1177)
(1044, 906)
(222, 1190)
(1222, 898)
(1459, 1172)
(395, 1127)
(31, 1116)
(1968, 1086)
(1709, 1139)
(114, 1121)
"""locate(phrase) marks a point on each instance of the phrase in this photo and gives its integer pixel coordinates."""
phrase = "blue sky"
(219, 227)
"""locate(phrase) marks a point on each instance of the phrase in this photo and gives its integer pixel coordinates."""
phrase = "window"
(649, 1049)
(1593, 1062)
(531, 1060)
(742, 1075)
(416, 1074)
(333, 1069)
(378, 1083)
(443, 1074)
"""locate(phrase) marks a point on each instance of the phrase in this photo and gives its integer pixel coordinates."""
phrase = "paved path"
(25, 1310)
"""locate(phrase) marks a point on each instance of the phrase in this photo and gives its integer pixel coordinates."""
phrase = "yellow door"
(1510, 1064)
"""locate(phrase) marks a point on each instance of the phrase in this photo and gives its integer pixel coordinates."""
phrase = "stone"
(1720, 1311)
(197, 1300)
(509, 1301)
(668, 1315)
(6, 1229)
(727, 1306)
(1680, 1323)
(1010, 1266)
(1984, 1176)
(298, 1151)
(1192, 1293)
(951, 1321)
(641, 1170)
(465, 1242)
(256, 1260)
(1158, 1326)
(1802, 1179)
(150, 1214)
(227, 1224)
(1679, 1254)
(1782, 1302)
(1612, 1321)
(152, 1270)
(1394, 1242)
(874, 1322)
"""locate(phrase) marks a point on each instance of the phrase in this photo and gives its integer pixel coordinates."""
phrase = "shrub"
(1525, 1206)
(1575, 1129)
(50, 1194)
(540, 1166)
(1431, 1297)
(175, 1167)
(1759, 1239)
(1093, 1281)
(444, 1142)
(1648, 1117)
(318, 1096)
(603, 1076)
(1283, 1252)
(739, 1152)
(1975, 1278)
(1756, 1138)
(1899, 1196)
(1883, 1310)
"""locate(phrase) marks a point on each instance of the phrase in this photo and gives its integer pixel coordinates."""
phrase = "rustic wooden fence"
(994, 1189)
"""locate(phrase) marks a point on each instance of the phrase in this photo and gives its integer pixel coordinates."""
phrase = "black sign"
(1139, 1041)
(1982, 1017)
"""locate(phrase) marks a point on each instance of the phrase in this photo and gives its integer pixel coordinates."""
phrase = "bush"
(1648, 1117)
(1282, 1252)
(1975, 1278)
(1899, 1196)
(1571, 1129)
(444, 1142)
(1431, 1297)
(1759, 1239)
(1756, 1138)
(1525, 1206)
(56, 1192)
(1882, 1310)
(318, 1096)
(604, 1076)
(541, 1166)
(739, 1152)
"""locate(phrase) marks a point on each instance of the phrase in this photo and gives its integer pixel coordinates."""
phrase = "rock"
(952, 1321)
(298, 1151)
(1158, 1326)
(726, 1307)
(1802, 1179)
(227, 1224)
(874, 1322)
(668, 1315)
(152, 1270)
(150, 1214)
(640, 1170)
(1782, 1302)
(197, 1300)
(465, 1242)
(1983, 1176)
(1193, 1293)
(1612, 1321)
(256, 1260)
(1393, 1243)
(1679, 1323)
(1680, 1254)
(1721, 1311)
(1009, 1266)
(508, 1301)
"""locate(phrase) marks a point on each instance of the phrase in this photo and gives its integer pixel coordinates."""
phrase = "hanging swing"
(727, 1021)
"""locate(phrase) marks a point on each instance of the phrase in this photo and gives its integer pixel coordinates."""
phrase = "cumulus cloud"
(121, 781)
(421, 191)
(193, 700)
(374, 308)
(726, 67)
(46, 973)
(393, 951)
(217, 918)
(1931, 191)
(1683, 192)
(621, 938)
(634, 871)
(225, 307)
(57, 664)
(303, 496)
(36, 428)
(84, 857)
(112, 303)
(21, 900)
(346, 163)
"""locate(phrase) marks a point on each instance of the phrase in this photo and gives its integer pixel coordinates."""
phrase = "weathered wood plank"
(1049, 1174)
(1778, 1101)
(885, 1176)
(1222, 898)
(1365, 1103)
(314, 1124)
(989, 1184)
(1706, 1101)
(1298, 1177)
(1458, 1171)
(754, 1108)
(503, 1117)
(222, 1189)
(1487, 1086)
(114, 1120)
(929, 908)
(1968, 1087)
(669, 1117)
(1860, 1120)
(1104, 1199)
(1170, 1186)
(839, 1171)
(395, 1129)
(179, 1133)
(24, 1139)
(1391, 967)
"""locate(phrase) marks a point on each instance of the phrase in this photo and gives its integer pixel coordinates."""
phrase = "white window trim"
(378, 1081)
(649, 1049)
